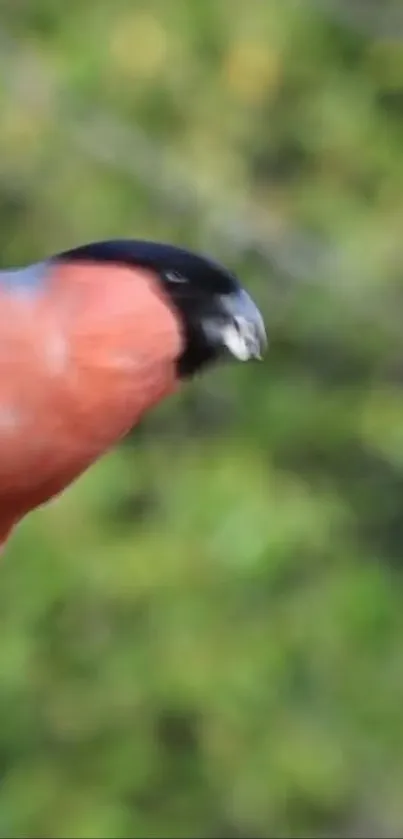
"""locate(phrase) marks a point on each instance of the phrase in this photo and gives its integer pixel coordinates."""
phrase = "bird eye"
(175, 277)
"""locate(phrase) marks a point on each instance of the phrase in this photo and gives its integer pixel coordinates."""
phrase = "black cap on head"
(217, 315)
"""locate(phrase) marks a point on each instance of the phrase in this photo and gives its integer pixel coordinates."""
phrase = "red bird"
(90, 340)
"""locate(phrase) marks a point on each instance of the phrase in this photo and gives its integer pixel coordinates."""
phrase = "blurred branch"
(380, 19)
(229, 225)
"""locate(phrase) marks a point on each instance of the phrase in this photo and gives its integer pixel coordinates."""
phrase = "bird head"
(217, 316)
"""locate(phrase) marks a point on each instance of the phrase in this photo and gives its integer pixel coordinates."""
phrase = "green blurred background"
(204, 636)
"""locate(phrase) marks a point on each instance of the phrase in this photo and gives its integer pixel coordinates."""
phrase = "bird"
(94, 337)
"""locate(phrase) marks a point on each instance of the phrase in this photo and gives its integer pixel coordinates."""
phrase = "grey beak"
(243, 333)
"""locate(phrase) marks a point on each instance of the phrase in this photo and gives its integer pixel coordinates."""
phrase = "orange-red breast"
(90, 340)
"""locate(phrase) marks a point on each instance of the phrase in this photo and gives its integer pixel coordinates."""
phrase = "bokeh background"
(204, 636)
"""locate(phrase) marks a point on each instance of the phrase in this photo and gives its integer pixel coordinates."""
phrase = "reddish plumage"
(81, 359)
(91, 339)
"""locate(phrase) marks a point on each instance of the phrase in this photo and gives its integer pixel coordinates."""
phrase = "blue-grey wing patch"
(30, 278)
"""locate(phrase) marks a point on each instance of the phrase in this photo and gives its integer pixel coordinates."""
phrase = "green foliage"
(204, 635)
